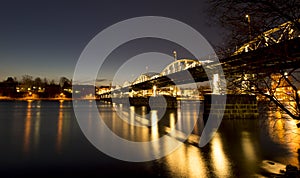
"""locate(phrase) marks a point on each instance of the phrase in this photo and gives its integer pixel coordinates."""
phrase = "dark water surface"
(43, 139)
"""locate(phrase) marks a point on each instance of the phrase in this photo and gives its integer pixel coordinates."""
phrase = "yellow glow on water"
(132, 115)
(172, 121)
(179, 125)
(248, 147)
(187, 161)
(59, 130)
(196, 163)
(285, 132)
(154, 127)
(37, 124)
(27, 129)
(220, 161)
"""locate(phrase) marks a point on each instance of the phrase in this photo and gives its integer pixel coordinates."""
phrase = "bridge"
(271, 52)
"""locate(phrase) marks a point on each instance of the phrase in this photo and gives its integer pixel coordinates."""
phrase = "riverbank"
(42, 99)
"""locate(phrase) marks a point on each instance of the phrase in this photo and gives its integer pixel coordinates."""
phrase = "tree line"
(30, 86)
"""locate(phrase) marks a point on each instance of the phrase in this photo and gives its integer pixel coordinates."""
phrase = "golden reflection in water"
(144, 109)
(154, 127)
(187, 161)
(132, 115)
(172, 122)
(126, 122)
(248, 148)
(285, 132)
(196, 163)
(113, 120)
(90, 119)
(122, 122)
(131, 122)
(27, 129)
(61, 104)
(59, 128)
(220, 161)
(179, 124)
(143, 132)
(196, 126)
(187, 121)
(37, 125)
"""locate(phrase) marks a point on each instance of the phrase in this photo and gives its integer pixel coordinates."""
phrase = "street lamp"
(175, 55)
(249, 25)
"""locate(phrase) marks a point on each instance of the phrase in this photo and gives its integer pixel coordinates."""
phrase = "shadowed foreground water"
(43, 139)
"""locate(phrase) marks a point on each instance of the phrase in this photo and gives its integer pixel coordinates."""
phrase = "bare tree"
(27, 81)
(244, 20)
(249, 22)
(64, 82)
(38, 82)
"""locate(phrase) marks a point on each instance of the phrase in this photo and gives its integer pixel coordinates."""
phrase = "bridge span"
(273, 51)
(264, 60)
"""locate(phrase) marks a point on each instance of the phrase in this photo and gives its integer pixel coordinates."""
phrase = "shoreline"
(44, 99)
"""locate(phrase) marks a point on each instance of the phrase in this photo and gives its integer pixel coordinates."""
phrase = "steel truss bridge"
(273, 51)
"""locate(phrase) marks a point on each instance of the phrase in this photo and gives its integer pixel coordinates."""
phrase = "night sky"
(45, 38)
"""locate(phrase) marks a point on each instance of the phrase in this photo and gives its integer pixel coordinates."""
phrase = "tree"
(45, 82)
(27, 81)
(38, 82)
(245, 19)
(52, 82)
(10, 80)
(8, 87)
(64, 82)
(247, 23)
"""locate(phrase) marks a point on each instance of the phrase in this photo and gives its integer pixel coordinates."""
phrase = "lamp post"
(249, 25)
(175, 55)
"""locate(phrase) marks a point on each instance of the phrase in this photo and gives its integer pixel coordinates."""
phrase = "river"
(43, 139)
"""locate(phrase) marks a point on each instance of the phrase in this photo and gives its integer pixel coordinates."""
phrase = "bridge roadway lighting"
(249, 25)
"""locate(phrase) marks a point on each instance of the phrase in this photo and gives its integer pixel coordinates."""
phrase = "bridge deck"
(272, 59)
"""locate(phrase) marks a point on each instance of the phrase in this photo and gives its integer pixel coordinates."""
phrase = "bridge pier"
(157, 101)
(236, 107)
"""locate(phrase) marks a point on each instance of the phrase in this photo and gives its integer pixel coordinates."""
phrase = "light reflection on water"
(248, 148)
(284, 131)
(49, 130)
(219, 158)
(27, 129)
(59, 128)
